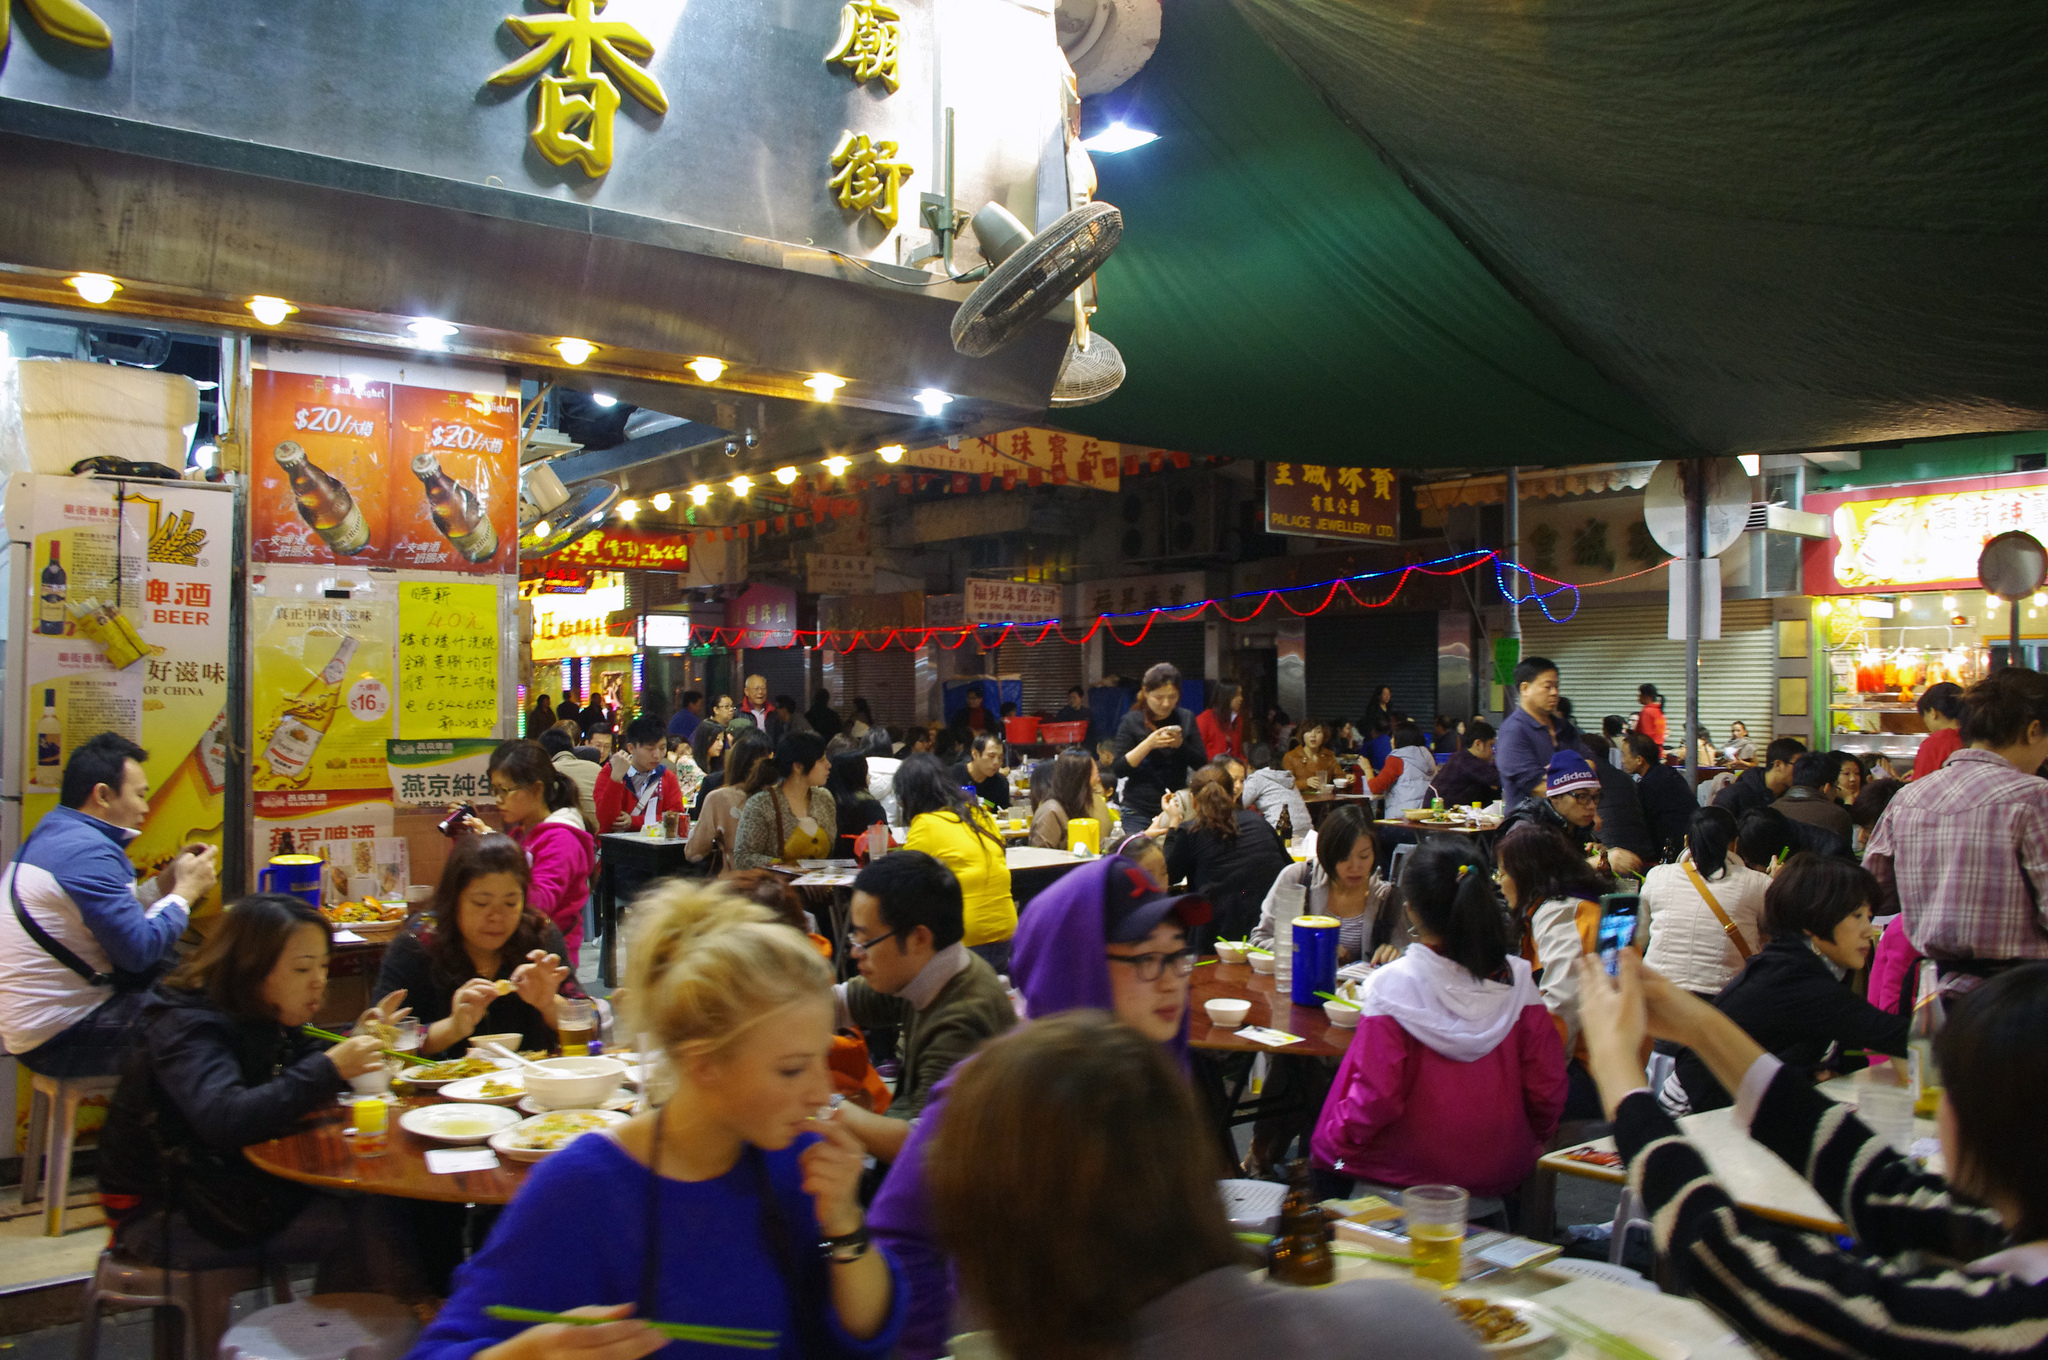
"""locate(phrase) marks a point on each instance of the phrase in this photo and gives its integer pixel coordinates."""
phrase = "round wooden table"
(1237, 982)
(318, 1155)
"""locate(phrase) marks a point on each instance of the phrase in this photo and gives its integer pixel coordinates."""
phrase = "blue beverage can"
(1315, 958)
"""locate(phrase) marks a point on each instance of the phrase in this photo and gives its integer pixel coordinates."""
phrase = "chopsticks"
(1575, 1328)
(331, 1037)
(740, 1337)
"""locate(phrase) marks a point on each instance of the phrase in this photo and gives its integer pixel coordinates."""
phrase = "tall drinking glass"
(575, 1025)
(1436, 1230)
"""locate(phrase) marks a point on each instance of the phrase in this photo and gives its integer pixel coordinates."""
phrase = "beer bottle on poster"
(303, 721)
(457, 512)
(324, 503)
(50, 606)
(49, 745)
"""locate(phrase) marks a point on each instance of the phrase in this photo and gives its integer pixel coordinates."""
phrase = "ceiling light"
(1823, 608)
(662, 500)
(271, 311)
(1752, 463)
(1905, 605)
(706, 368)
(785, 475)
(597, 518)
(933, 400)
(823, 385)
(1948, 604)
(741, 484)
(837, 465)
(604, 399)
(1118, 136)
(2040, 599)
(94, 288)
(204, 454)
(628, 509)
(891, 453)
(574, 351)
(431, 333)
(1991, 602)
(700, 495)
(541, 528)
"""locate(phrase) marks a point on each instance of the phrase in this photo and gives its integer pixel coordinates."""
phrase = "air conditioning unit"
(1171, 517)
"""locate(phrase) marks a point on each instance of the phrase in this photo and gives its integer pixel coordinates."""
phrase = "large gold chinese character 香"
(577, 106)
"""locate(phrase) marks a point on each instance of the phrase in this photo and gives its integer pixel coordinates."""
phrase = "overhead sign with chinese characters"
(1029, 457)
(1130, 594)
(1012, 601)
(614, 548)
(767, 613)
(1315, 501)
(838, 574)
(809, 124)
(1930, 541)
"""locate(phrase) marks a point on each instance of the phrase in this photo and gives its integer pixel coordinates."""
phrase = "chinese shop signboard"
(615, 548)
(1012, 602)
(1030, 457)
(1311, 500)
(767, 613)
(1929, 541)
(838, 574)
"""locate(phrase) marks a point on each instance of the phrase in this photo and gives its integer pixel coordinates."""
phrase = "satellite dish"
(1035, 273)
(1088, 375)
(1727, 491)
(2012, 565)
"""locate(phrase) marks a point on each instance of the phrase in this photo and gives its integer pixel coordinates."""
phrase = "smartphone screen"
(1618, 915)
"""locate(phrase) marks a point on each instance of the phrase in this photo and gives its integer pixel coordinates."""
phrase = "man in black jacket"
(1621, 827)
(1667, 807)
(1763, 785)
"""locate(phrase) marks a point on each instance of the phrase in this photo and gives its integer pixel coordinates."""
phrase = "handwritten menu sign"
(447, 659)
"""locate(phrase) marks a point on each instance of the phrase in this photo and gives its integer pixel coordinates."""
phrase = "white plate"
(428, 1083)
(457, 1123)
(503, 1142)
(622, 1101)
(472, 1088)
(1539, 1330)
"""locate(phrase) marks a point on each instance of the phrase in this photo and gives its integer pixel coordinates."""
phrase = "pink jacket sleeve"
(561, 871)
(1544, 1084)
(1368, 1094)
(1889, 964)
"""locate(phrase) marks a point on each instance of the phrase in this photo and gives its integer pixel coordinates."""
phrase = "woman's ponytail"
(1453, 898)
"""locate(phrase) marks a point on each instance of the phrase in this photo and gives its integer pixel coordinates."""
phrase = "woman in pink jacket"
(544, 814)
(1456, 1075)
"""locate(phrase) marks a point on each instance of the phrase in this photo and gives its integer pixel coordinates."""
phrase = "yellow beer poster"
(447, 659)
(321, 694)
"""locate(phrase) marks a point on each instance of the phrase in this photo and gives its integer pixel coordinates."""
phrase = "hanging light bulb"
(628, 509)
(1948, 604)
(662, 501)
(1991, 602)
(541, 529)
(706, 368)
(1823, 608)
(933, 400)
(837, 465)
(574, 351)
(823, 385)
(785, 475)
(700, 495)
(271, 311)
(741, 485)
(2040, 599)
(94, 288)
(1905, 605)
(891, 453)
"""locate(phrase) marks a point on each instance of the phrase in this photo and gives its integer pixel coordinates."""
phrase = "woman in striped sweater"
(1932, 1274)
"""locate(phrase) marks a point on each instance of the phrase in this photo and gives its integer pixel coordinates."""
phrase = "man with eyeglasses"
(906, 928)
(1566, 799)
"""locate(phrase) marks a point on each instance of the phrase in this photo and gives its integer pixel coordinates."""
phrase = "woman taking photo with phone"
(1157, 748)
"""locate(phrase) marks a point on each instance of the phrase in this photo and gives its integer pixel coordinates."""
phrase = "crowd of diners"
(1042, 1163)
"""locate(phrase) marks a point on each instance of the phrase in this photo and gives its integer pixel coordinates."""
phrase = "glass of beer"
(575, 1025)
(1436, 1231)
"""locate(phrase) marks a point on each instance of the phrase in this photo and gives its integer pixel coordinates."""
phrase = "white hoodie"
(1268, 791)
(1449, 1011)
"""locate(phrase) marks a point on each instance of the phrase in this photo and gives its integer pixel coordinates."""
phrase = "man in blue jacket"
(1533, 733)
(80, 939)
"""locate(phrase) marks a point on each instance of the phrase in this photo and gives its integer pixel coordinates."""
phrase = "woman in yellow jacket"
(948, 826)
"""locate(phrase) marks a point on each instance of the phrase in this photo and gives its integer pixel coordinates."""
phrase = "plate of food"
(535, 1138)
(433, 1076)
(1499, 1325)
(493, 1088)
(623, 1101)
(457, 1123)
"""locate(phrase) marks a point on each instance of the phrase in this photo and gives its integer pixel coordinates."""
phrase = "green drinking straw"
(740, 1337)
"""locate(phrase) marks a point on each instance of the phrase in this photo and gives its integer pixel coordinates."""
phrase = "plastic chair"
(1395, 863)
(324, 1327)
(201, 1298)
(1629, 1212)
(52, 1129)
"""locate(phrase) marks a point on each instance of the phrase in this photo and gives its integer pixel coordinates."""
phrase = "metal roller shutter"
(1350, 658)
(887, 680)
(1048, 671)
(1180, 643)
(784, 668)
(1603, 654)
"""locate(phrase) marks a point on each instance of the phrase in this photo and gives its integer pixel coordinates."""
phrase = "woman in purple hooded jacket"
(1101, 938)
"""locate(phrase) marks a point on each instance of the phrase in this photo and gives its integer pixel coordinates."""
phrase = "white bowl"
(477, 1042)
(507, 1142)
(1260, 960)
(375, 1082)
(457, 1123)
(1342, 1014)
(1227, 1013)
(1227, 952)
(472, 1088)
(574, 1083)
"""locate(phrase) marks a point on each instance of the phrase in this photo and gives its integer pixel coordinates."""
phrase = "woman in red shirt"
(1941, 708)
(1650, 720)
(1222, 722)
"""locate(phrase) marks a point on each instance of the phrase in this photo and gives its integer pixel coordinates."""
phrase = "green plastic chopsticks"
(331, 1037)
(741, 1337)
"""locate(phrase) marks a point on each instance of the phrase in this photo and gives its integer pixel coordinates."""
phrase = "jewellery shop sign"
(809, 123)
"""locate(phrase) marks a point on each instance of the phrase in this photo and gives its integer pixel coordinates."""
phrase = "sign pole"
(1514, 537)
(1694, 477)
